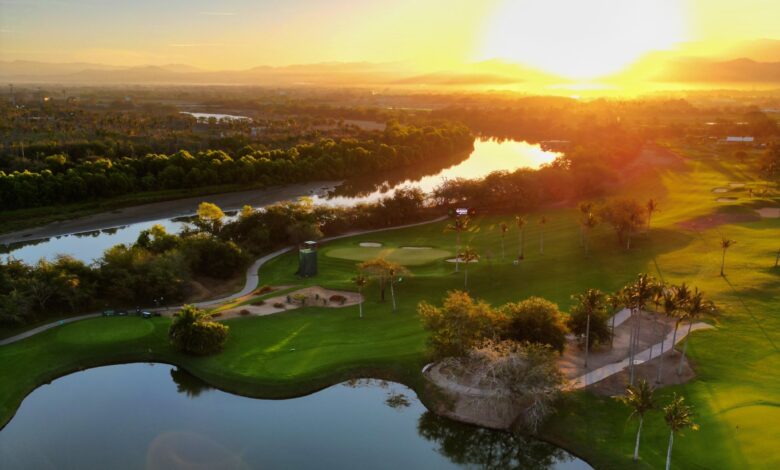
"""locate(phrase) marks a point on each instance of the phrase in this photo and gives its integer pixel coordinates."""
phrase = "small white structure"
(739, 139)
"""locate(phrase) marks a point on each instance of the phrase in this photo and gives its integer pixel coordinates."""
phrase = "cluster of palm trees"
(678, 416)
(385, 272)
(679, 303)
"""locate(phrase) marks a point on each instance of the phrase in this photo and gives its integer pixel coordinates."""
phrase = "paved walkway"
(648, 354)
(251, 283)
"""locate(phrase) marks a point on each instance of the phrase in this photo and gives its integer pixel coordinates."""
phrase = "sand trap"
(371, 245)
(720, 190)
(726, 199)
(316, 296)
(416, 247)
(458, 260)
(769, 212)
(736, 185)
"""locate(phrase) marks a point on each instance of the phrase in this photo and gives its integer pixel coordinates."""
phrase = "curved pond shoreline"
(567, 460)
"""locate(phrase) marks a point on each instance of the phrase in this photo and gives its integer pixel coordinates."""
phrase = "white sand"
(736, 185)
(314, 298)
(720, 190)
(371, 245)
(769, 212)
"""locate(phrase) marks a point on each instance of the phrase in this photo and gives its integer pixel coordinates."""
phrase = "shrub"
(535, 320)
(338, 298)
(258, 302)
(264, 290)
(192, 333)
(244, 312)
(278, 305)
(216, 314)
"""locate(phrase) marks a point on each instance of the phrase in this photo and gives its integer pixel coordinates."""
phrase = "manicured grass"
(404, 256)
(736, 395)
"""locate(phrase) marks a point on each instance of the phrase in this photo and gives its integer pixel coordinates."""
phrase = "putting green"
(403, 256)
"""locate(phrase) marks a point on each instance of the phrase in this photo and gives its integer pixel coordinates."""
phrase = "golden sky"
(578, 38)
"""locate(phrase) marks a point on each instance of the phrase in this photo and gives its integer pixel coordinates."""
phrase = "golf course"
(735, 394)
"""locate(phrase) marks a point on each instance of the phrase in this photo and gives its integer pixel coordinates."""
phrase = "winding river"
(156, 416)
(89, 244)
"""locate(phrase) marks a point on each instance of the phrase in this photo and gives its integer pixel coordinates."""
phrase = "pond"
(155, 416)
(487, 156)
(217, 116)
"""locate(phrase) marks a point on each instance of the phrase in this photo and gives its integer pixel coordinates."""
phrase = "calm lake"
(155, 416)
(488, 156)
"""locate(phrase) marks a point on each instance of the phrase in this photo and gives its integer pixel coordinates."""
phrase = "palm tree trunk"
(502, 248)
(457, 253)
(392, 293)
(661, 357)
(685, 347)
(669, 451)
(631, 350)
(522, 244)
(587, 340)
(638, 433)
(466, 277)
(360, 305)
(723, 262)
(541, 242)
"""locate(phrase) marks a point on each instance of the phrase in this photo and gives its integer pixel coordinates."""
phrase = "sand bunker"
(416, 247)
(769, 212)
(371, 245)
(458, 260)
(314, 296)
(720, 190)
(736, 185)
(726, 199)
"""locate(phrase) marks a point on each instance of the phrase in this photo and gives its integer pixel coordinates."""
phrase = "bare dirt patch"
(314, 296)
(725, 199)
(720, 190)
(616, 384)
(713, 220)
(736, 185)
(769, 212)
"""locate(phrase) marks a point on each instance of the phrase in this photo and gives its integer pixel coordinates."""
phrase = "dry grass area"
(314, 296)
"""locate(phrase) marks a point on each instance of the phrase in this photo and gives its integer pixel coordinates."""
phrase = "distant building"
(740, 140)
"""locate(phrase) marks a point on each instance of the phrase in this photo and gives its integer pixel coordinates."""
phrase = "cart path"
(251, 283)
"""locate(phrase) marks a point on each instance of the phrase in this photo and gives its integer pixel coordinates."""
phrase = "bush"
(258, 302)
(337, 298)
(216, 314)
(263, 290)
(192, 333)
(535, 320)
(244, 312)
(279, 305)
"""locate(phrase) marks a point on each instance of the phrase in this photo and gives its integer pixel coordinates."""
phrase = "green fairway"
(736, 396)
(403, 255)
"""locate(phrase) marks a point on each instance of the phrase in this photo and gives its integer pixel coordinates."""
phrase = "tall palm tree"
(542, 223)
(504, 229)
(678, 416)
(651, 206)
(641, 292)
(588, 223)
(640, 399)
(585, 209)
(670, 308)
(460, 224)
(591, 302)
(614, 302)
(360, 281)
(725, 244)
(520, 222)
(696, 307)
(468, 255)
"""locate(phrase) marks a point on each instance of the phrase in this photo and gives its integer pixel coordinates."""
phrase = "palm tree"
(641, 292)
(520, 222)
(460, 224)
(504, 229)
(542, 223)
(640, 399)
(651, 207)
(591, 302)
(585, 210)
(678, 416)
(670, 309)
(360, 281)
(588, 223)
(725, 244)
(468, 255)
(696, 306)
(615, 301)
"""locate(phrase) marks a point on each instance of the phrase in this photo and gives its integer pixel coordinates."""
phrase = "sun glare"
(582, 39)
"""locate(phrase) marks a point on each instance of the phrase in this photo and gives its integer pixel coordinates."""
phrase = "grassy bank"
(736, 396)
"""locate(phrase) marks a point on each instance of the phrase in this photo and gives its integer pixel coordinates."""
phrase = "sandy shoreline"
(167, 210)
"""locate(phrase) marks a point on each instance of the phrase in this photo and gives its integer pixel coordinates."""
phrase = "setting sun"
(582, 40)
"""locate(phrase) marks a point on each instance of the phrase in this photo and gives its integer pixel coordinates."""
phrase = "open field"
(736, 394)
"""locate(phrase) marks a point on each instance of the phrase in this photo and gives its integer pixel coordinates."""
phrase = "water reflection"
(156, 416)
